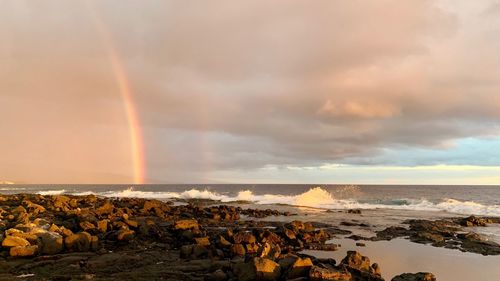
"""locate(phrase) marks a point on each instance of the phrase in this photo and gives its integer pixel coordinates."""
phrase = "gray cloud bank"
(242, 84)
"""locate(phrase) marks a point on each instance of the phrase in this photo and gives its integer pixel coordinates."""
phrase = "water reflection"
(399, 256)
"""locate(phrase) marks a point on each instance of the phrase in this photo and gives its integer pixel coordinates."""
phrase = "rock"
(86, 226)
(257, 269)
(79, 242)
(102, 226)
(237, 250)
(376, 269)
(125, 235)
(354, 211)
(300, 268)
(13, 241)
(269, 250)
(329, 274)
(203, 241)
(223, 242)
(217, 275)
(360, 244)
(421, 276)
(193, 251)
(474, 221)
(131, 223)
(427, 237)
(244, 237)
(106, 209)
(186, 224)
(23, 251)
(51, 243)
(357, 261)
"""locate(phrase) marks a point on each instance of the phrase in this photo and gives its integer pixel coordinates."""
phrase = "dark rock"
(237, 250)
(421, 276)
(79, 242)
(300, 268)
(474, 221)
(51, 243)
(257, 269)
(329, 274)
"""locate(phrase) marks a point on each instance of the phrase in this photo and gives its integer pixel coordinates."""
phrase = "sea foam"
(316, 197)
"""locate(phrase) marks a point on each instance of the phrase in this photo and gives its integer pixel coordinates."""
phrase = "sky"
(295, 91)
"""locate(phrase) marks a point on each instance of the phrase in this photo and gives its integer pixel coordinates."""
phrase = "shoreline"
(56, 237)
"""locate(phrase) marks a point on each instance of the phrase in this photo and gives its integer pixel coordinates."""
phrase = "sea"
(381, 206)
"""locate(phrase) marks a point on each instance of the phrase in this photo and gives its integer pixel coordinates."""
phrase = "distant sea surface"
(461, 200)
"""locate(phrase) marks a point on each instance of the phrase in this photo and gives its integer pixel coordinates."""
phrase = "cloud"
(238, 86)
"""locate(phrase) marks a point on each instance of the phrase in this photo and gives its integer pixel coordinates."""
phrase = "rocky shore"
(93, 238)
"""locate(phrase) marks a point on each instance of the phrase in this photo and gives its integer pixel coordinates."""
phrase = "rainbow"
(125, 89)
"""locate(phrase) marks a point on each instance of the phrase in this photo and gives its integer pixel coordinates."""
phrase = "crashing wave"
(316, 197)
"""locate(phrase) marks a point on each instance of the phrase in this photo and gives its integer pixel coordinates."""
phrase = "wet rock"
(357, 261)
(354, 211)
(421, 276)
(79, 242)
(323, 247)
(23, 251)
(329, 274)
(474, 221)
(13, 241)
(426, 237)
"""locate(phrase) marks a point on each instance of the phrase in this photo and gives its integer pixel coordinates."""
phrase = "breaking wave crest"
(315, 197)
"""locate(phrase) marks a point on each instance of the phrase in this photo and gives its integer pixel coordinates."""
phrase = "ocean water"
(460, 200)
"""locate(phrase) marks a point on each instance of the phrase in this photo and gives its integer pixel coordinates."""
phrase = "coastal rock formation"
(421, 276)
(87, 237)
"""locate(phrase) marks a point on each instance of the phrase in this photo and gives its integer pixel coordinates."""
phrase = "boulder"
(106, 209)
(269, 250)
(300, 268)
(79, 242)
(237, 250)
(186, 224)
(421, 276)
(102, 226)
(50, 243)
(357, 261)
(474, 221)
(13, 241)
(203, 241)
(86, 225)
(125, 234)
(23, 251)
(244, 237)
(258, 269)
(329, 274)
